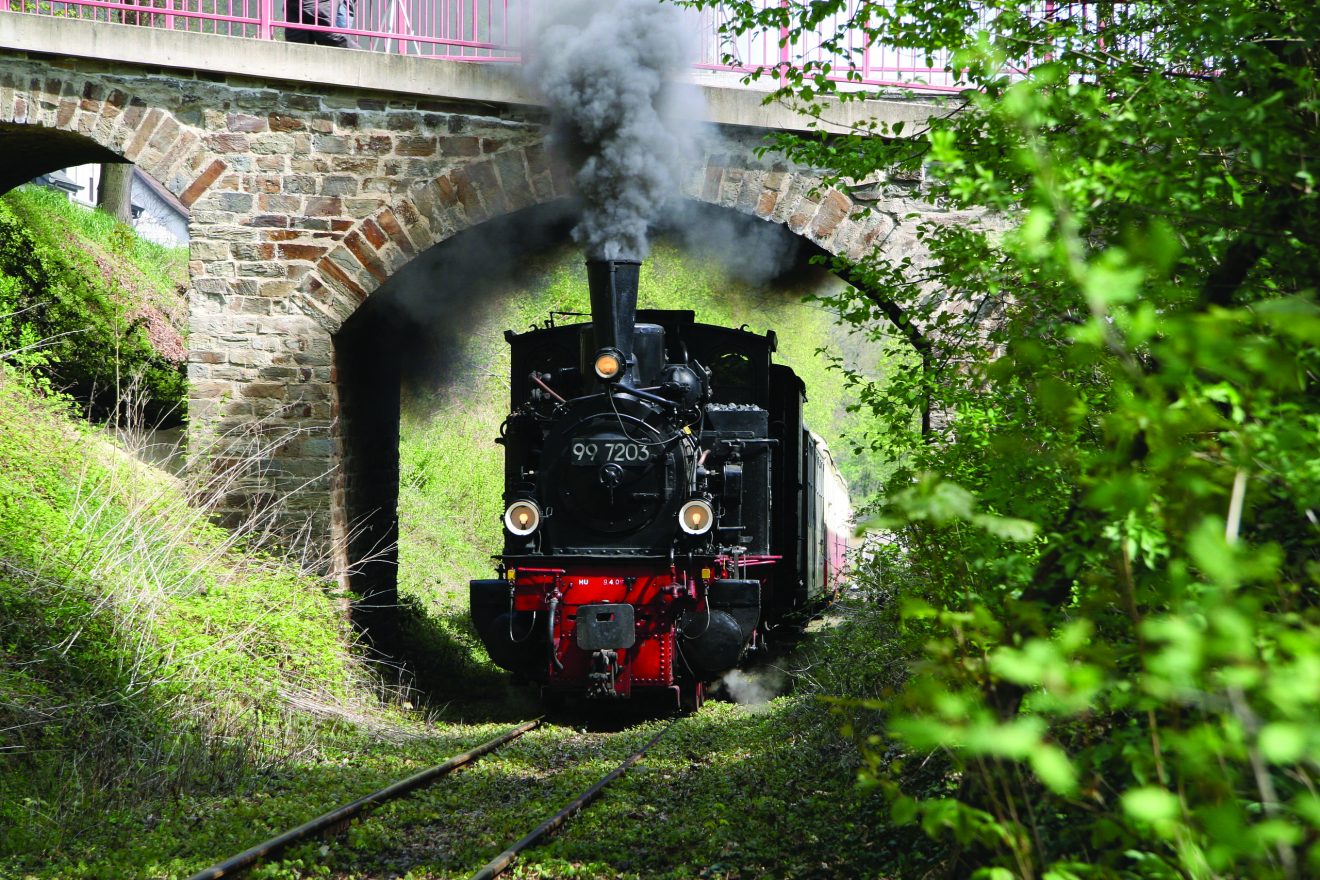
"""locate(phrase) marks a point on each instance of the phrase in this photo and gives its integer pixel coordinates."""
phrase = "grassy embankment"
(167, 697)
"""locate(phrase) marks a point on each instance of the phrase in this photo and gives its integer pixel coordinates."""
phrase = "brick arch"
(431, 212)
(154, 138)
(362, 451)
(795, 199)
(427, 214)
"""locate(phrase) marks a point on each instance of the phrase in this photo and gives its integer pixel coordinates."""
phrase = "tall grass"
(143, 651)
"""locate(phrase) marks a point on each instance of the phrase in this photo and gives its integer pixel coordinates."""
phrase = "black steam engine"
(664, 501)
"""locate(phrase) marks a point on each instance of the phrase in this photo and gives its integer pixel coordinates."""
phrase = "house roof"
(161, 192)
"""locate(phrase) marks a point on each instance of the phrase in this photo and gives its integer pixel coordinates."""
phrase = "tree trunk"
(116, 196)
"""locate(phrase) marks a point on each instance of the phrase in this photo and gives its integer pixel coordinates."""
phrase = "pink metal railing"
(872, 64)
(494, 30)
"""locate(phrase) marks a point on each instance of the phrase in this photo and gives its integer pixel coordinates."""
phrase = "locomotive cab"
(647, 509)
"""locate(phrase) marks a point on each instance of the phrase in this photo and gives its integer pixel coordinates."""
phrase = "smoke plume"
(607, 70)
(753, 689)
(747, 248)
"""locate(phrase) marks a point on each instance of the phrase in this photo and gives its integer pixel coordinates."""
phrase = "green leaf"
(903, 811)
(1150, 804)
(1282, 742)
(1053, 768)
(1296, 316)
(1209, 549)
(1112, 280)
(1006, 527)
(1015, 739)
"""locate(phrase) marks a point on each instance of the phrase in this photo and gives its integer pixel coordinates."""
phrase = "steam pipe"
(646, 395)
(547, 389)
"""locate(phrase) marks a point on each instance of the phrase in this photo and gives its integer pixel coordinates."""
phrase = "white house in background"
(157, 215)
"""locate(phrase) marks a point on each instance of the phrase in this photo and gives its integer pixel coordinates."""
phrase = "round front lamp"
(696, 517)
(522, 517)
(608, 365)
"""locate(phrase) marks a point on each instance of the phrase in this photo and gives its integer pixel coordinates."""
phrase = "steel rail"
(343, 814)
(500, 863)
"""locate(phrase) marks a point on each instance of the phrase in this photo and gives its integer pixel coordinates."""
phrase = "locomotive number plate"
(595, 451)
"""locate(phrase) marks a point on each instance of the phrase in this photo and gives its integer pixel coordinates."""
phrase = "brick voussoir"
(175, 164)
(344, 296)
(730, 186)
(448, 215)
(64, 115)
(750, 192)
(414, 225)
(365, 254)
(340, 263)
(710, 188)
(388, 221)
(203, 182)
(515, 179)
(561, 179)
(45, 102)
(834, 209)
(144, 131)
(788, 203)
(487, 184)
(372, 232)
(87, 119)
(805, 214)
(469, 197)
(393, 259)
(327, 308)
(6, 97)
(127, 123)
(875, 232)
(165, 134)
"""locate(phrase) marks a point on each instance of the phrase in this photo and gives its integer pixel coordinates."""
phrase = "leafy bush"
(1108, 543)
(89, 307)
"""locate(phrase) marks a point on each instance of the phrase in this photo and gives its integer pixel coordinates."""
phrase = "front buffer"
(611, 631)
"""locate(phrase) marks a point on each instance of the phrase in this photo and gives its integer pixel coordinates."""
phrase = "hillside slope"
(91, 308)
(141, 651)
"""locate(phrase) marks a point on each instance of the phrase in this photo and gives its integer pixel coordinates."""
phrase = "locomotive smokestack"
(613, 285)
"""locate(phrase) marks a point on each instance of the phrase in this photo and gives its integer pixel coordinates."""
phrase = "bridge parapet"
(496, 31)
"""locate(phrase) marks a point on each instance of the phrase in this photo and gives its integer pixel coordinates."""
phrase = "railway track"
(339, 817)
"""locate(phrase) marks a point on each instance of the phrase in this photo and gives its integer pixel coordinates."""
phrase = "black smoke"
(608, 70)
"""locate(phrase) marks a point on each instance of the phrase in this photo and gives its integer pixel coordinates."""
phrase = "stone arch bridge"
(313, 175)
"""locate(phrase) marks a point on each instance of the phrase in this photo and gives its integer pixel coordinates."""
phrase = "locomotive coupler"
(604, 674)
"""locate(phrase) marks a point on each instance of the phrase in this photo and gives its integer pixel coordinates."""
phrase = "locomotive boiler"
(664, 509)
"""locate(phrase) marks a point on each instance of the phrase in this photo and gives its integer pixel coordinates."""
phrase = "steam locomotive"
(665, 505)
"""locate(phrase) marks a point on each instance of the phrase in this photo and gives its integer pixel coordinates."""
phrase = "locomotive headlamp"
(696, 517)
(522, 517)
(609, 364)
